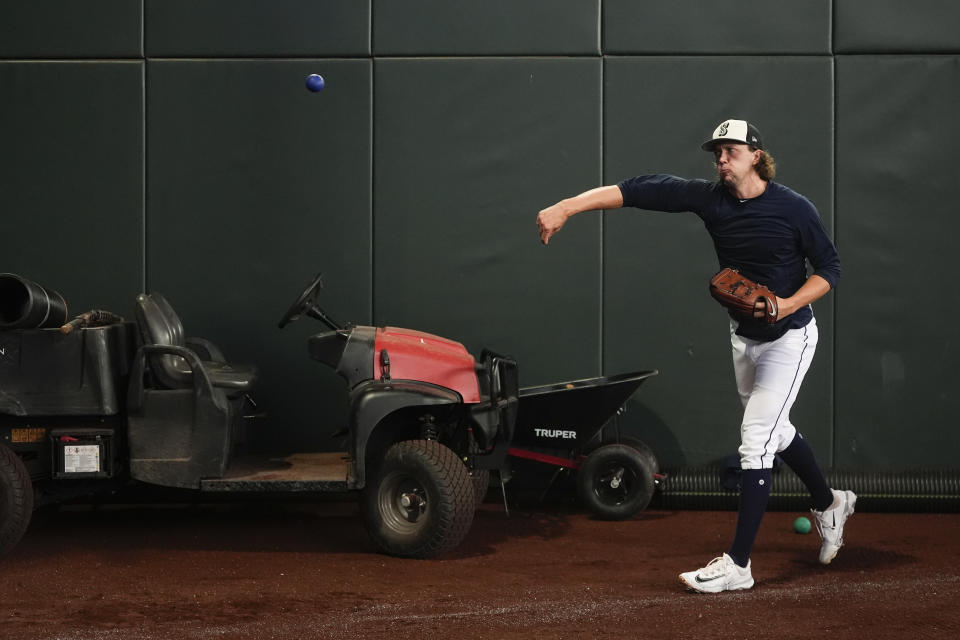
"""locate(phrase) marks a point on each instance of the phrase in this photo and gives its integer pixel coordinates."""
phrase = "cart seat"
(160, 324)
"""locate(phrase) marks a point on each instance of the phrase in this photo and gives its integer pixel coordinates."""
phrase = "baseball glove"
(742, 296)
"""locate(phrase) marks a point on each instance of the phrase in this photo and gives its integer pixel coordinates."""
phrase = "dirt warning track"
(300, 571)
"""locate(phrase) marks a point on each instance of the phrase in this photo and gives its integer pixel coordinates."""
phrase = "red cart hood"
(415, 355)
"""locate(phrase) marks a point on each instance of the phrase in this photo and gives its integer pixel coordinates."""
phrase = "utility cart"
(98, 404)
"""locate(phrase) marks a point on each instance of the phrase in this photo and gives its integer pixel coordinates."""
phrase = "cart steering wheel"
(306, 302)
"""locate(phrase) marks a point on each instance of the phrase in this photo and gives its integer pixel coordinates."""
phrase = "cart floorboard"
(323, 471)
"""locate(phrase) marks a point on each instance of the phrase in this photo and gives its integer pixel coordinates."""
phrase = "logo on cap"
(722, 131)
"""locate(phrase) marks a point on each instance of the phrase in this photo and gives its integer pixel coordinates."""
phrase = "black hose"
(904, 491)
(24, 304)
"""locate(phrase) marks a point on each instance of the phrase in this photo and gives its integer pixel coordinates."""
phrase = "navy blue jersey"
(769, 239)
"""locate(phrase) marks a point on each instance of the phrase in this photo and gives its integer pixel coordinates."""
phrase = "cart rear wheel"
(16, 499)
(615, 482)
(420, 501)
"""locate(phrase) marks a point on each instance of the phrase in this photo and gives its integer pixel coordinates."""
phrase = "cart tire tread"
(419, 468)
(16, 499)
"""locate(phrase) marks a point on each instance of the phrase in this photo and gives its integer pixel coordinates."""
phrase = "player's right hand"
(549, 221)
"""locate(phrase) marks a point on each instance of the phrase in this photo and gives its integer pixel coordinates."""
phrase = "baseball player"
(767, 233)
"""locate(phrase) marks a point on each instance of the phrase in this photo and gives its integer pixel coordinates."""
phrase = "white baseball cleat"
(721, 574)
(830, 524)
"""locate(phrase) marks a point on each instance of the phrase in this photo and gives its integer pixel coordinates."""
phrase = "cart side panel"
(44, 372)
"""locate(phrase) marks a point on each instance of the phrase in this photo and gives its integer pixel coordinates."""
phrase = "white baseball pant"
(769, 375)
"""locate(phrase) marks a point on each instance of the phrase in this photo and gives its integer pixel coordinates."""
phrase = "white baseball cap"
(734, 131)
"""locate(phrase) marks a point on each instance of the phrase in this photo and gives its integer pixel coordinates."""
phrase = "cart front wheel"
(420, 501)
(16, 499)
(615, 482)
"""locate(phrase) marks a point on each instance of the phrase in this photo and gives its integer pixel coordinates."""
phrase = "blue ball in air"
(315, 82)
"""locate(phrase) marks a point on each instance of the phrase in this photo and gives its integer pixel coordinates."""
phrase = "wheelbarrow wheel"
(420, 501)
(615, 482)
(16, 499)
(644, 450)
(630, 441)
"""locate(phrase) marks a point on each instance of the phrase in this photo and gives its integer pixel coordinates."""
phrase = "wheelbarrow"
(563, 425)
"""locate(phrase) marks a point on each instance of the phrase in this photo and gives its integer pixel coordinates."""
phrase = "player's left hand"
(784, 308)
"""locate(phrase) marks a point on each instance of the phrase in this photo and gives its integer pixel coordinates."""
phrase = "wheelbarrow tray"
(564, 417)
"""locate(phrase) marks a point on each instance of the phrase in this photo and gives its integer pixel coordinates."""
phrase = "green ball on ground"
(801, 525)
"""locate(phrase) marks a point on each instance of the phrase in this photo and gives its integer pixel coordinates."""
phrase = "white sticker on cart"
(81, 458)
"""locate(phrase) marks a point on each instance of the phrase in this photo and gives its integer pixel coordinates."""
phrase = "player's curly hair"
(766, 167)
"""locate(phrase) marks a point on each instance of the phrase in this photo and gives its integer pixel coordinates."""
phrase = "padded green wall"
(457, 186)
(71, 178)
(735, 27)
(96, 29)
(894, 27)
(897, 380)
(491, 27)
(254, 185)
(171, 145)
(257, 28)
